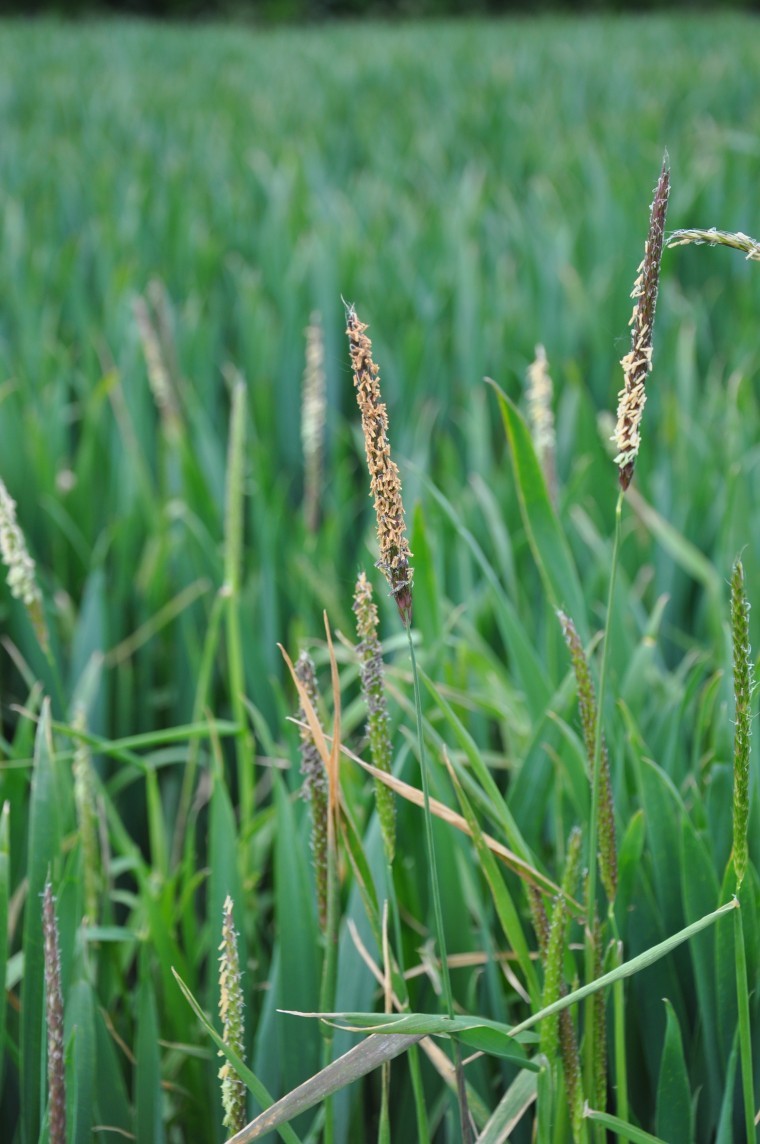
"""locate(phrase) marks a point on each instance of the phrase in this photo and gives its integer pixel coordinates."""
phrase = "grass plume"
(231, 1007)
(56, 1071)
(637, 363)
(314, 785)
(385, 483)
(313, 405)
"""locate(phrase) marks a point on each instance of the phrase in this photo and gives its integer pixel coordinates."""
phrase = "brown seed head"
(385, 483)
(638, 361)
(54, 1012)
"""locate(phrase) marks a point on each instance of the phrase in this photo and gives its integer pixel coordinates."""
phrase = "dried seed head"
(385, 483)
(584, 685)
(638, 361)
(231, 1008)
(56, 1070)
(313, 405)
(743, 688)
(21, 578)
(314, 786)
(373, 689)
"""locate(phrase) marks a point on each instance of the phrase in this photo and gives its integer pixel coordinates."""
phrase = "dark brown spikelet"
(637, 363)
(385, 483)
(54, 1012)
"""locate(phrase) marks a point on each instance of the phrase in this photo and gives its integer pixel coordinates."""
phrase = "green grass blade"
(44, 848)
(547, 541)
(674, 1110)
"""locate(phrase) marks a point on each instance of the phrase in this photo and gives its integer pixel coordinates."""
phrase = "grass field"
(474, 189)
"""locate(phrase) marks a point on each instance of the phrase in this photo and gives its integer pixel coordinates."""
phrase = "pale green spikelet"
(231, 1008)
(21, 577)
(159, 376)
(373, 689)
(314, 786)
(87, 821)
(56, 1071)
(608, 866)
(540, 919)
(313, 407)
(712, 237)
(743, 688)
(555, 951)
(539, 395)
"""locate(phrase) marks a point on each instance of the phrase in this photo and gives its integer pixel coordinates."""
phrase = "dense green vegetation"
(474, 189)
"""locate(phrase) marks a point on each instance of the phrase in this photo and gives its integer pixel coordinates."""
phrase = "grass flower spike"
(637, 363)
(743, 687)
(540, 393)
(87, 821)
(371, 662)
(54, 1017)
(313, 420)
(385, 486)
(314, 786)
(231, 1012)
(588, 712)
(713, 237)
(21, 578)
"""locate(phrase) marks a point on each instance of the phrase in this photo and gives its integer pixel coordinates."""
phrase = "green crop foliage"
(178, 206)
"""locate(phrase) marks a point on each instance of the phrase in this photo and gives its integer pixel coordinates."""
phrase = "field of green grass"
(475, 189)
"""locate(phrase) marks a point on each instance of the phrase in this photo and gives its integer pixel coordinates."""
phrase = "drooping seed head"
(385, 483)
(637, 363)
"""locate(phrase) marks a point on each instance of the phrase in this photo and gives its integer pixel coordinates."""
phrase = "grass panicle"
(313, 413)
(385, 483)
(315, 786)
(743, 688)
(555, 951)
(540, 398)
(56, 1069)
(571, 1066)
(373, 689)
(637, 363)
(21, 575)
(157, 368)
(608, 865)
(735, 240)
(231, 1012)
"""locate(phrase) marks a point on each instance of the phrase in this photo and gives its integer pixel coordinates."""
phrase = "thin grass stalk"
(621, 1056)
(233, 557)
(745, 1033)
(590, 958)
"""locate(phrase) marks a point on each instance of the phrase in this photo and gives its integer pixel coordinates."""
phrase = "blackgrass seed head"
(314, 785)
(637, 363)
(373, 690)
(743, 688)
(385, 483)
(313, 407)
(231, 1012)
(21, 577)
(56, 1069)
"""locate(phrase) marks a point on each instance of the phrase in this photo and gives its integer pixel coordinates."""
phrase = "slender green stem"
(745, 1038)
(618, 1002)
(413, 1055)
(329, 973)
(434, 887)
(593, 824)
